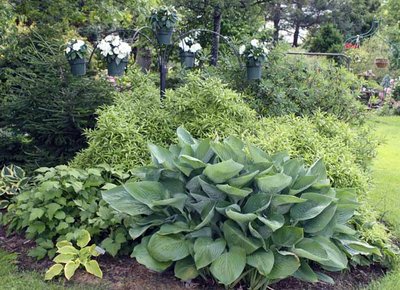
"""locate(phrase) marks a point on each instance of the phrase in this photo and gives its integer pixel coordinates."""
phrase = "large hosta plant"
(230, 210)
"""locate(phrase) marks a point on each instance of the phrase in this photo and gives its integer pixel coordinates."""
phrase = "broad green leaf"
(177, 201)
(235, 237)
(146, 191)
(314, 205)
(193, 162)
(36, 213)
(257, 155)
(240, 217)
(318, 169)
(83, 238)
(162, 156)
(310, 249)
(243, 180)
(136, 231)
(147, 173)
(325, 278)
(281, 199)
(257, 203)
(223, 171)
(224, 151)
(120, 200)
(203, 232)
(285, 264)
(93, 268)
(184, 136)
(344, 212)
(302, 183)
(293, 168)
(52, 208)
(305, 273)
(61, 244)
(229, 266)
(262, 260)
(142, 255)
(273, 221)
(273, 184)
(234, 191)
(63, 258)
(336, 258)
(186, 269)
(69, 250)
(183, 167)
(207, 250)
(168, 248)
(355, 247)
(70, 268)
(53, 271)
(320, 221)
(203, 151)
(175, 228)
(207, 214)
(211, 190)
(287, 236)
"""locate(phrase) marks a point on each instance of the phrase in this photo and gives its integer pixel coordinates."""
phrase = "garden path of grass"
(385, 194)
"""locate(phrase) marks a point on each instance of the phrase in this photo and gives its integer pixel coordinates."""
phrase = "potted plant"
(189, 47)
(381, 62)
(255, 54)
(163, 22)
(116, 52)
(75, 52)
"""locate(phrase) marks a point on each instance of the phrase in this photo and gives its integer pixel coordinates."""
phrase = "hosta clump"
(64, 200)
(12, 180)
(231, 210)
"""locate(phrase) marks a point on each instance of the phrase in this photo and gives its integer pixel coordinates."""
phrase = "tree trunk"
(217, 17)
(296, 34)
(277, 20)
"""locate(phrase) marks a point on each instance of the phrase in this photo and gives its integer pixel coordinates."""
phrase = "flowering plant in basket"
(113, 49)
(76, 49)
(255, 51)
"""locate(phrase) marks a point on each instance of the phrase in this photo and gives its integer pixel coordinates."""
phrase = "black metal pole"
(163, 77)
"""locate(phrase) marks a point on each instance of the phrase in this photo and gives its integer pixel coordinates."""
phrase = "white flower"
(183, 46)
(80, 42)
(195, 47)
(105, 48)
(68, 50)
(76, 46)
(116, 41)
(125, 47)
(266, 50)
(242, 48)
(109, 38)
(116, 50)
(255, 42)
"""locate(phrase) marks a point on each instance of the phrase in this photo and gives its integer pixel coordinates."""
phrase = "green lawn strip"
(385, 193)
(12, 278)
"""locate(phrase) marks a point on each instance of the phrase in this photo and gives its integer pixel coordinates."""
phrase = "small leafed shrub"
(64, 200)
(233, 211)
(73, 258)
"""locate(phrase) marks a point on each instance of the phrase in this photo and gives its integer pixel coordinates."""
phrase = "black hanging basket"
(78, 66)
(254, 70)
(164, 36)
(117, 69)
(187, 59)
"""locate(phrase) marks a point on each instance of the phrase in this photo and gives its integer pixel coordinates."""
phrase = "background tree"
(327, 39)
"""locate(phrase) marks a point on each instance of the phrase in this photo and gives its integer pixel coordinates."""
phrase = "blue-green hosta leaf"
(177, 201)
(318, 169)
(273, 221)
(183, 167)
(325, 278)
(212, 191)
(207, 214)
(257, 203)
(273, 184)
(356, 247)
(234, 142)
(287, 236)
(344, 212)
(222, 206)
(193, 185)
(184, 137)
(336, 258)
(260, 232)
(243, 179)
(203, 151)
(318, 223)
(310, 249)
(302, 183)
(137, 231)
(234, 191)
(240, 217)
(186, 269)
(262, 260)
(224, 151)
(279, 158)
(162, 156)
(175, 228)
(192, 161)
(146, 191)
(314, 205)
(346, 195)
(235, 237)
(147, 173)
(229, 266)
(294, 168)
(203, 232)
(305, 273)
(120, 200)
(257, 155)
(168, 248)
(285, 264)
(343, 229)
(223, 171)
(142, 255)
(281, 199)
(207, 250)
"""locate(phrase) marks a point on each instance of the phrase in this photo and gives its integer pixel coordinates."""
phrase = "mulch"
(125, 273)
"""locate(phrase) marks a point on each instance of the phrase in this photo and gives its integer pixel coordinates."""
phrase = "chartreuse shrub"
(64, 200)
(232, 211)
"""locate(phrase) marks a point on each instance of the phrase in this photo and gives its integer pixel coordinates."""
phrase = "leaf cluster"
(12, 182)
(163, 18)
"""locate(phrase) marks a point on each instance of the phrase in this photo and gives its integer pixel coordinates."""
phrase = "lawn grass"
(385, 193)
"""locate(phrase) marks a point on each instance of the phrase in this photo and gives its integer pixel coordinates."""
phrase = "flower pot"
(115, 69)
(164, 36)
(381, 62)
(78, 66)
(254, 69)
(187, 59)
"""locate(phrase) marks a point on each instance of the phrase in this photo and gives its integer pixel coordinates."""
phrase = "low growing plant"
(230, 210)
(64, 200)
(73, 258)
(12, 182)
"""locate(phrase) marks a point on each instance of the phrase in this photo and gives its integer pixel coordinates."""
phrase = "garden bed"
(126, 273)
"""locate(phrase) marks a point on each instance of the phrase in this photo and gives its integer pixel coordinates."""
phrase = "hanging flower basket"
(254, 69)
(189, 47)
(163, 22)
(164, 36)
(187, 59)
(117, 68)
(255, 54)
(381, 62)
(78, 66)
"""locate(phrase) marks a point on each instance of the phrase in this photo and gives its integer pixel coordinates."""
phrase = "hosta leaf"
(93, 268)
(293, 168)
(211, 190)
(344, 212)
(273, 184)
(234, 191)
(70, 268)
(162, 156)
(177, 201)
(287, 236)
(136, 231)
(69, 250)
(168, 248)
(281, 199)
(318, 169)
(203, 151)
(36, 213)
(240, 217)
(325, 278)
(52, 208)
(302, 183)
(336, 258)
(206, 251)
(186, 269)
(183, 167)
(53, 271)
(203, 232)
(207, 214)
(224, 151)
(310, 249)
(83, 238)
(175, 228)
(243, 180)
(257, 155)
(273, 221)
(355, 247)
(320, 221)
(223, 171)
(314, 205)
(257, 203)
(285, 264)
(228, 267)
(235, 237)
(184, 136)
(305, 273)
(142, 255)
(63, 258)
(146, 191)
(193, 162)
(147, 173)
(119, 199)
(262, 260)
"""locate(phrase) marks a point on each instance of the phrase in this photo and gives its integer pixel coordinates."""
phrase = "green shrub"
(230, 209)
(327, 39)
(41, 100)
(63, 200)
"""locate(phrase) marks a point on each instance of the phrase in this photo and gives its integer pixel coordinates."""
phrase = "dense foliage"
(13, 180)
(64, 200)
(232, 210)
(327, 39)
